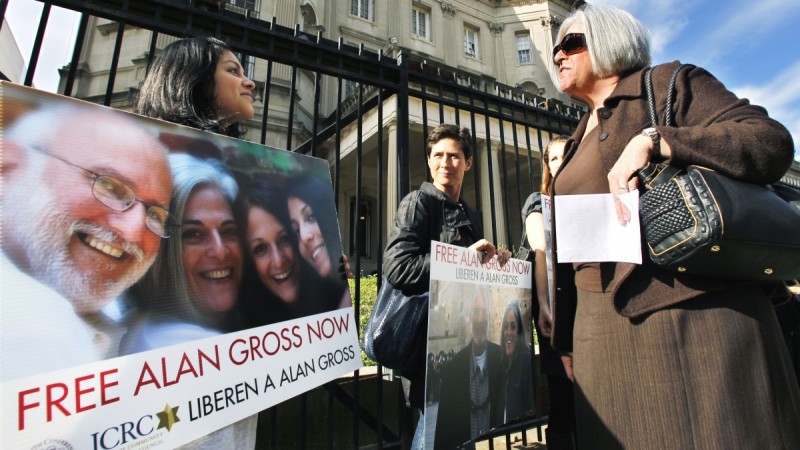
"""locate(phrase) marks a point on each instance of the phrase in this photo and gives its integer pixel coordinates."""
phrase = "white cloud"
(665, 19)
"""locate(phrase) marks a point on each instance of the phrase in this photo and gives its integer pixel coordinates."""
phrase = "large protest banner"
(480, 346)
(157, 283)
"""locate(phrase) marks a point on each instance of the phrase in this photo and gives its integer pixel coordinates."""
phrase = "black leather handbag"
(394, 335)
(697, 221)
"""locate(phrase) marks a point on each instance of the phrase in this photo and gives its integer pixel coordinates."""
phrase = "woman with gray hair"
(192, 287)
(666, 359)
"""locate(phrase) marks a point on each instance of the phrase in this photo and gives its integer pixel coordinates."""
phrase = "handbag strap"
(655, 174)
(651, 100)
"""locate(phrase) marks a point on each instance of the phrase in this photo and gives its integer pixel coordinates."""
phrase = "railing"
(370, 135)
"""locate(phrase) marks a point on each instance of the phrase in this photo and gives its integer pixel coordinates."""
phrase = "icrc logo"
(128, 432)
(53, 444)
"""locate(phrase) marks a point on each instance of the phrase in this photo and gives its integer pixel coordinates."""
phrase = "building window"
(244, 4)
(471, 41)
(248, 65)
(362, 8)
(420, 22)
(350, 87)
(360, 221)
(244, 7)
(523, 48)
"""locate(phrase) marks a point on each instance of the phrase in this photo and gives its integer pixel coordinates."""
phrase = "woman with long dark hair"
(313, 219)
(198, 82)
(281, 284)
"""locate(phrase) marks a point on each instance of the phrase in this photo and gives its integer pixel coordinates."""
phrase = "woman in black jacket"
(437, 212)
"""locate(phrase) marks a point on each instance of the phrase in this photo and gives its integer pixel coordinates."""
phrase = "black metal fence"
(367, 112)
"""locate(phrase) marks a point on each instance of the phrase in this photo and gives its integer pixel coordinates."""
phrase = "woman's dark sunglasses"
(571, 44)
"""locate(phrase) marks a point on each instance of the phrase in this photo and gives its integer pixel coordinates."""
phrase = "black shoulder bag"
(393, 336)
(697, 221)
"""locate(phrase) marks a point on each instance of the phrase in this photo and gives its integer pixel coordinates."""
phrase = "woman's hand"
(344, 268)
(567, 361)
(622, 177)
(488, 249)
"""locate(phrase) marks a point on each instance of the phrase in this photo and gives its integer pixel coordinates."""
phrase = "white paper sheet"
(587, 229)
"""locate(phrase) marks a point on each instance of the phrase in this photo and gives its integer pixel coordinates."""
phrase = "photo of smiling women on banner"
(281, 284)
(192, 289)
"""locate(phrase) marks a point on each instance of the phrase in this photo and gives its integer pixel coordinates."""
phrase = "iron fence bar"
(3, 6)
(265, 109)
(403, 163)
(489, 167)
(76, 54)
(515, 140)
(112, 74)
(151, 53)
(541, 150)
(531, 186)
(424, 103)
(360, 233)
(517, 168)
(315, 117)
(304, 415)
(359, 411)
(37, 44)
(441, 106)
(501, 154)
(338, 143)
(379, 251)
(476, 173)
(274, 426)
(330, 417)
(292, 101)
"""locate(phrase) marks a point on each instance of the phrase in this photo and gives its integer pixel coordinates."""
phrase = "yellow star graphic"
(168, 417)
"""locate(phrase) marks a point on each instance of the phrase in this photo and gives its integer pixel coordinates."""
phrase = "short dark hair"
(445, 131)
(179, 87)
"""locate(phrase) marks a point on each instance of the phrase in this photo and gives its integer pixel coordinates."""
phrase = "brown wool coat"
(714, 129)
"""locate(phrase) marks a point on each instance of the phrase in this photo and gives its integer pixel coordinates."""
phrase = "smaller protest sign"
(480, 346)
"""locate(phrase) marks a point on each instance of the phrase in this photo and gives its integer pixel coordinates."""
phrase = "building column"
(453, 37)
(285, 13)
(499, 52)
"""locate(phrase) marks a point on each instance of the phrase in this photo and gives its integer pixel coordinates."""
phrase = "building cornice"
(496, 27)
(448, 9)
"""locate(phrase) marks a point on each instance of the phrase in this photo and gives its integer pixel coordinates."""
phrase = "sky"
(749, 45)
